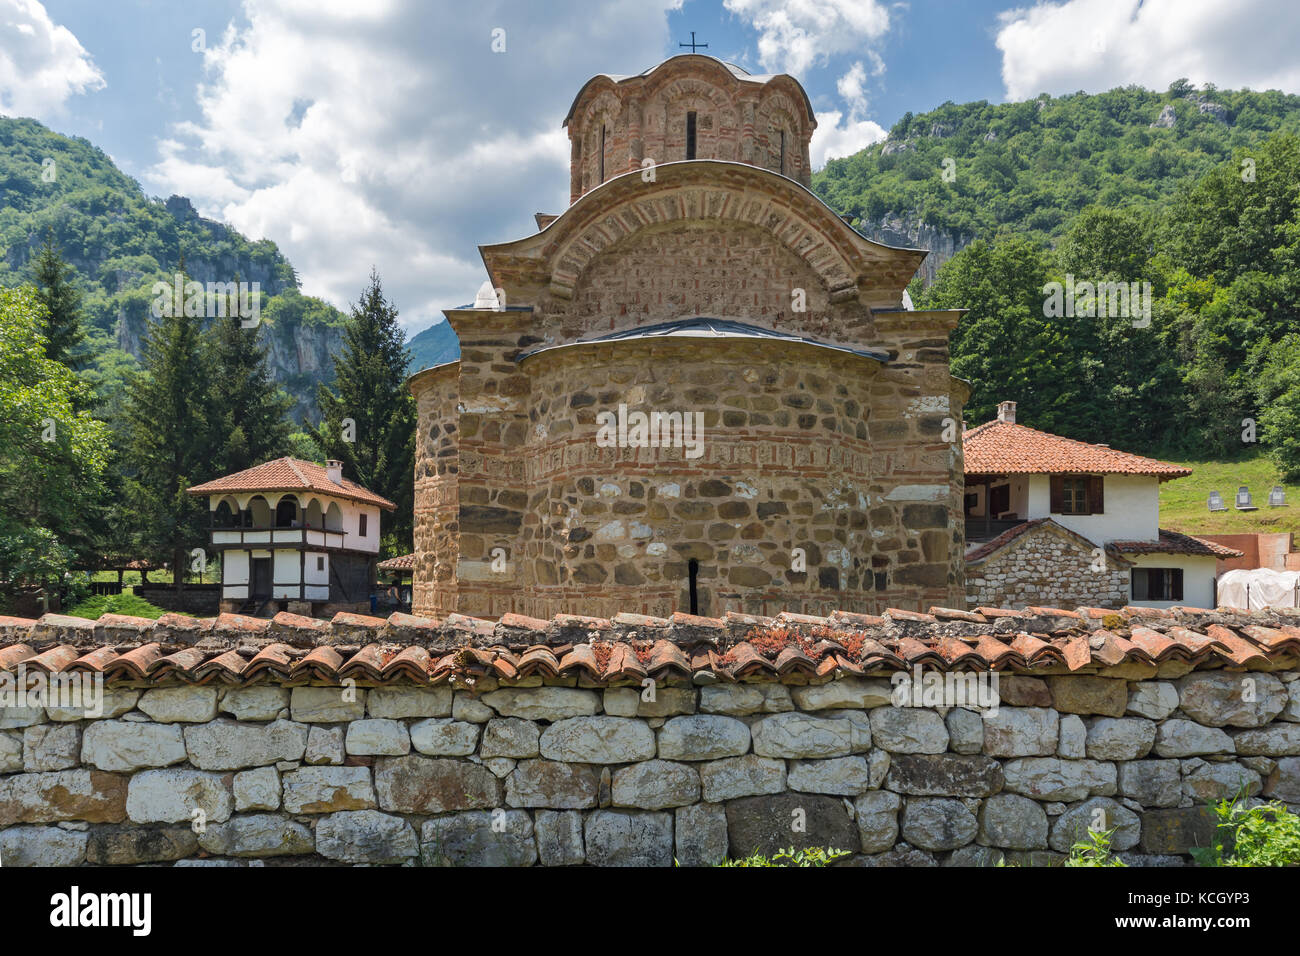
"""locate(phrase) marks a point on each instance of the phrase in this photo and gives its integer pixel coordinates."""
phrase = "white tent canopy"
(1259, 588)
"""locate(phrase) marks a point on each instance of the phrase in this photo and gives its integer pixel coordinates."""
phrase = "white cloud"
(831, 140)
(852, 86)
(795, 34)
(1096, 45)
(333, 129)
(41, 63)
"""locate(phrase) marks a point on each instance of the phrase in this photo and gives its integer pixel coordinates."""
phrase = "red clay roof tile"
(291, 474)
(1004, 448)
(800, 648)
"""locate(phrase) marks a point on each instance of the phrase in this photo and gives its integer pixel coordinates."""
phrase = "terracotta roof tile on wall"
(790, 648)
(291, 474)
(1174, 542)
(1003, 448)
(403, 562)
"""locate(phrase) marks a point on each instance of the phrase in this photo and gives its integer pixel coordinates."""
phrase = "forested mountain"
(433, 346)
(967, 171)
(1192, 195)
(120, 242)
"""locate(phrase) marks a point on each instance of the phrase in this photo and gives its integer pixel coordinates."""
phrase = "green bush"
(1094, 851)
(1262, 835)
(813, 856)
(127, 604)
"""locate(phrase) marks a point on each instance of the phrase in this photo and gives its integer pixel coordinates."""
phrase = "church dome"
(688, 107)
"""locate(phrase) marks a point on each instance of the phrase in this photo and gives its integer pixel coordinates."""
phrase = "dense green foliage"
(247, 409)
(1217, 365)
(1105, 188)
(1030, 167)
(1259, 835)
(53, 454)
(369, 423)
(62, 301)
(176, 399)
(170, 439)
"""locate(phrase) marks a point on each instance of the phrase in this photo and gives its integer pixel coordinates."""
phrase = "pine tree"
(371, 391)
(247, 407)
(169, 439)
(63, 330)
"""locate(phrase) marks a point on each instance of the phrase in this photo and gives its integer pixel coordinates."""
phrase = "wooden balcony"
(264, 538)
(979, 530)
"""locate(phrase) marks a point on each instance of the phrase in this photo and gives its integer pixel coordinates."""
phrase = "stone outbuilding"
(698, 389)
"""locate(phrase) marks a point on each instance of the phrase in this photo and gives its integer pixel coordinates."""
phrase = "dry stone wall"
(561, 774)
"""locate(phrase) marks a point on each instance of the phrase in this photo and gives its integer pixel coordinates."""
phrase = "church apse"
(816, 475)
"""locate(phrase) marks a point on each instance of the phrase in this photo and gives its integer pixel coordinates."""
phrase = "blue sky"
(388, 132)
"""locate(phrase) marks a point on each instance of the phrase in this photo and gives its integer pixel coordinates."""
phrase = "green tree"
(62, 301)
(1278, 394)
(1006, 346)
(248, 409)
(53, 454)
(1128, 377)
(377, 448)
(169, 439)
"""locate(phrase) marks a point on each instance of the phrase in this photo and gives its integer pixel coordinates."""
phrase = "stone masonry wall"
(566, 774)
(784, 464)
(437, 487)
(1046, 567)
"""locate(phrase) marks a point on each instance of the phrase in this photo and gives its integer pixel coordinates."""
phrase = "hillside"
(433, 346)
(121, 241)
(1030, 167)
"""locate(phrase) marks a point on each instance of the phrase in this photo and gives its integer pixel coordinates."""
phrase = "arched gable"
(848, 265)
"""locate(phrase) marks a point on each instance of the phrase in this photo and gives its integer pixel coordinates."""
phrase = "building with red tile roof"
(1068, 520)
(294, 535)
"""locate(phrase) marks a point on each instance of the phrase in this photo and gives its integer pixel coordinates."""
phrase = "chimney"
(1007, 412)
(334, 470)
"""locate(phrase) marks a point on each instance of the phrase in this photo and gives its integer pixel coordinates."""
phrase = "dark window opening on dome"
(690, 135)
(602, 152)
(782, 152)
(693, 571)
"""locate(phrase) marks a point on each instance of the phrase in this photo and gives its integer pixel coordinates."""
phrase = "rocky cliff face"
(907, 230)
(299, 356)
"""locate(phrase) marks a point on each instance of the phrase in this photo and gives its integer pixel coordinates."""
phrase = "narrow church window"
(690, 135)
(602, 152)
(782, 152)
(693, 570)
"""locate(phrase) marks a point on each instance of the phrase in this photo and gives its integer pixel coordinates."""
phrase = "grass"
(128, 604)
(211, 575)
(1183, 501)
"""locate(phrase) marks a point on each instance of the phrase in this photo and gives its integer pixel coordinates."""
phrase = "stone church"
(697, 389)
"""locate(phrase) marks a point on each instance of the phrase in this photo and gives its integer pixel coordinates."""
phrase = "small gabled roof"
(978, 553)
(1175, 542)
(1005, 448)
(290, 474)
